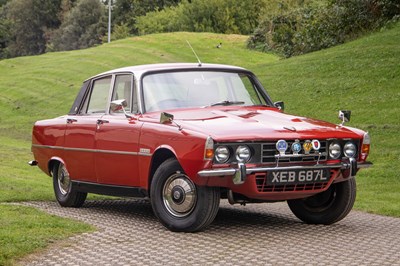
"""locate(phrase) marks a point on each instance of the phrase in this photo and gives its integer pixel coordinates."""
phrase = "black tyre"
(178, 203)
(326, 207)
(63, 190)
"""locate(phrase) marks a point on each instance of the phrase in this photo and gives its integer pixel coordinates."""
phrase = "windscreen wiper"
(225, 103)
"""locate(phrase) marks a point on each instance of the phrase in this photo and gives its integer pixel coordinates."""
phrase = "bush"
(219, 16)
(314, 28)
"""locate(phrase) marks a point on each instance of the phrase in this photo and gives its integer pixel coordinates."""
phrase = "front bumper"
(240, 171)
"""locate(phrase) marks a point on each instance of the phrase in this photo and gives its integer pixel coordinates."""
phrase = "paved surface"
(258, 234)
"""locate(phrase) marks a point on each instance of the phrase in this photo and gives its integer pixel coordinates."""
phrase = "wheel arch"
(160, 155)
(52, 162)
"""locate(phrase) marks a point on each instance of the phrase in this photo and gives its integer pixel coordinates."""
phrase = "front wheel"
(327, 207)
(65, 194)
(178, 203)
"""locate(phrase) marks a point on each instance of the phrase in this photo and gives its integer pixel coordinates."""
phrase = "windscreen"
(173, 90)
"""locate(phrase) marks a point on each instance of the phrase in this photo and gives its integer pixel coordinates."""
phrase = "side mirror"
(344, 116)
(166, 117)
(119, 105)
(280, 105)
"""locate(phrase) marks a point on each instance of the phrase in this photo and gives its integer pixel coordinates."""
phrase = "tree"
(84, 26)
(30, 19)
(5, 29)
(126, 11)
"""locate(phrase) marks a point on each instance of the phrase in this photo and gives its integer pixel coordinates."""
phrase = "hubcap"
(179, 195)
(64, 181)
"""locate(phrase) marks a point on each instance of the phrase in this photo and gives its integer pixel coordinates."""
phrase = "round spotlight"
(243, 153)
(222, 154)
(350, 150)
(334, 150)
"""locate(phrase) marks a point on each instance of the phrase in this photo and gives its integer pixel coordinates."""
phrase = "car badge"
(307, 146)
(296, 147)
(281, 146)
(316, 144)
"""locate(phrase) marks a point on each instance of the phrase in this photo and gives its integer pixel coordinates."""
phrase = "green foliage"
(83, 27)
(30, 19)
(219, 16)
(3, 2)
(125, 12)
(5, 33)
(120, 32)
(311, 28)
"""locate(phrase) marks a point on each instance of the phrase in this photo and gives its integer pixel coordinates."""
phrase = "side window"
(97, 100)
(123, 90)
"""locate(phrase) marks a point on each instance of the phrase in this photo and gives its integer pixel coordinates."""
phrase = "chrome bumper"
(240, 172)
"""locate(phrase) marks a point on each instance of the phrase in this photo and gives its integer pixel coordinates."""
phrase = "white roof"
(139, 70)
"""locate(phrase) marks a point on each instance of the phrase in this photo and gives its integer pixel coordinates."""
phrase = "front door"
(117, 139)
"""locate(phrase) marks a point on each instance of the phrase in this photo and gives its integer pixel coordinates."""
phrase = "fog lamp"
(222, 154)
(243, 153)
(334, 150)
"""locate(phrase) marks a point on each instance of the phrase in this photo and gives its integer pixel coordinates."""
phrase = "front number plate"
(291, 177)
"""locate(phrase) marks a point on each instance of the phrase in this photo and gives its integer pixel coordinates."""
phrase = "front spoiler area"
(240, 172)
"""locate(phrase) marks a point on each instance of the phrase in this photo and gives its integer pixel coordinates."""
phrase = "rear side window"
(97, 101)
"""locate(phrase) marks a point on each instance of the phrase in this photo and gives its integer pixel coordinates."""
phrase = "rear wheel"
(326, 207)
(65, 194)
(178, 203)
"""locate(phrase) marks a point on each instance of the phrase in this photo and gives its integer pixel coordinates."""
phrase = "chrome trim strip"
(232, 171)
(91, 150)
(364, 165)
(145, 154)
(277, 156)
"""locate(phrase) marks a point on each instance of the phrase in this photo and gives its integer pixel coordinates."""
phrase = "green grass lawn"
(24, 230)
(362, 76)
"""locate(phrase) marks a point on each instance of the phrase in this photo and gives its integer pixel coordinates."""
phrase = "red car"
(186, 135)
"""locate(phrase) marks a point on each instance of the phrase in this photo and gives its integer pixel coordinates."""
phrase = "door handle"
(101, 121)
(71, 120)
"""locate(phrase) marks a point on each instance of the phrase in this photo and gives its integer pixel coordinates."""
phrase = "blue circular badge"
(281, 146)
(296, 147)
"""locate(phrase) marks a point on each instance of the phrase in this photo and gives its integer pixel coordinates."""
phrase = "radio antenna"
(198, 59)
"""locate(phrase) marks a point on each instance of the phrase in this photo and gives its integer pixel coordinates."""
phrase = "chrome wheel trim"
(179, 195)
(63, 179)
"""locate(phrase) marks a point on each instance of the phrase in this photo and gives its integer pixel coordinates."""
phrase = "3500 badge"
(298, 176)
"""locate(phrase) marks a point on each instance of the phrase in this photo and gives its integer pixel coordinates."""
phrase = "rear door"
(80, 148)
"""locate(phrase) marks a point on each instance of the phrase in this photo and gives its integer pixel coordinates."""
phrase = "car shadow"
(227, 217)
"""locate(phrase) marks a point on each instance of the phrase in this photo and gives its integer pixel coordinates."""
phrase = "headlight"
(335, 150)
(350, 150)
(243, 153)
(222, 154)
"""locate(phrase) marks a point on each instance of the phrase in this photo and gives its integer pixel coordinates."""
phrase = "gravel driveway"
(257, 234)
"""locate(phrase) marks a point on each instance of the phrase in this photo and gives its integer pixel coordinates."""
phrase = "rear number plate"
(291, 177)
